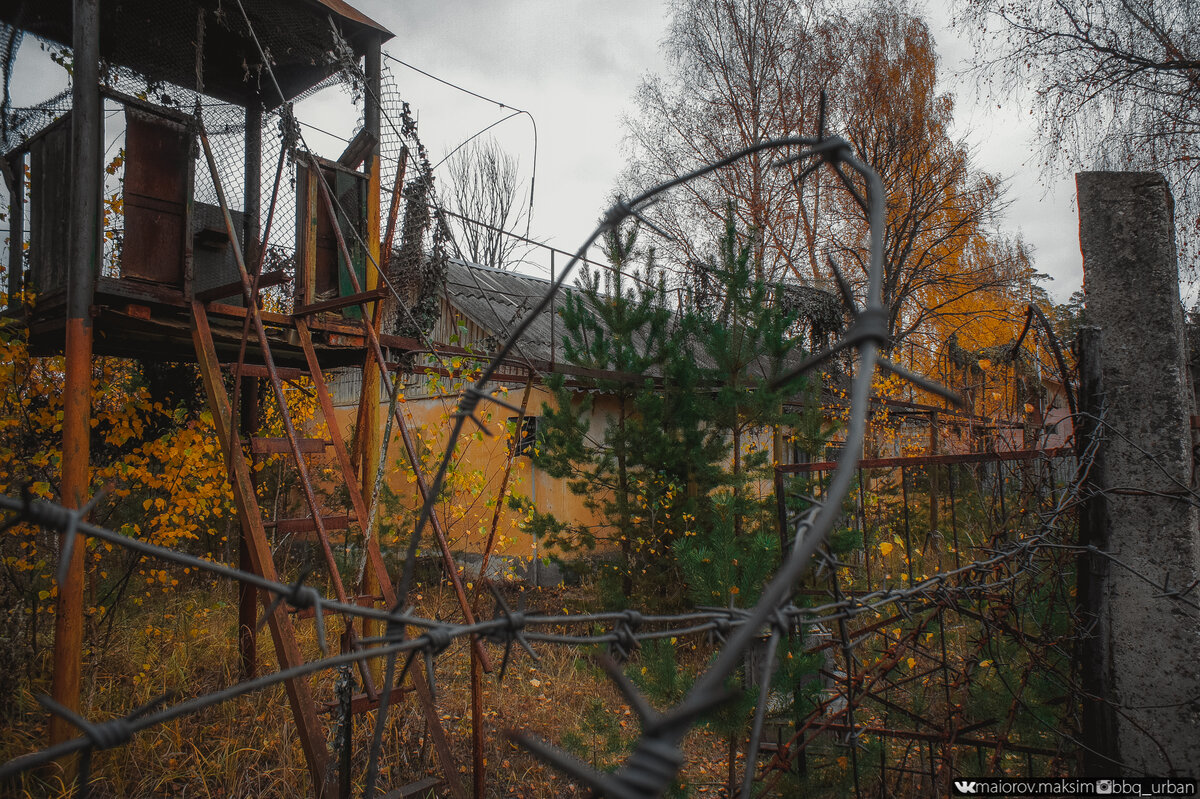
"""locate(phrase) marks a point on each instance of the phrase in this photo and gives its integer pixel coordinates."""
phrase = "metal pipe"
(87, 135)
(247, 611)
(16, 235)
(369, 434)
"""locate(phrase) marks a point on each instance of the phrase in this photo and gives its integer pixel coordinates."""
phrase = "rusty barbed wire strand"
(505, 628)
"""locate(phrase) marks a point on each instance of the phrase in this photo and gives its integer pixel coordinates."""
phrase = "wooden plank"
(306, 234)
(275, 446)
(337, 303)
(306, 524)
(256, 370)
(239, 312)
(304, 711)
(358, 149)
(265, 280)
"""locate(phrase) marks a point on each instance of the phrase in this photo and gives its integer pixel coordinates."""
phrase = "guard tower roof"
(302, 38)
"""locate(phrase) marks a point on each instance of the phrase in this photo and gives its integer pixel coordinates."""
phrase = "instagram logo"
(1104, 786)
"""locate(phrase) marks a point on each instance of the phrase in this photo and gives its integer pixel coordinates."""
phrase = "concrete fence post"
(1131, 288)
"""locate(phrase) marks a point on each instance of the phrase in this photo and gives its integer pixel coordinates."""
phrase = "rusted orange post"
(85, 249)
(369, 432)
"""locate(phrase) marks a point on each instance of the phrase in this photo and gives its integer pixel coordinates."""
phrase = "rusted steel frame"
(87, 127)
(389, 236)
(1055, 350)
(16, 236)
(478, 761)
(287, 650)
(424, 695)
(929, 460)
(908, 559)
(305, 524)
(798, 741)
(848, 658)
(247, 595)
(342, 454)
(310, 496)
(409, 446)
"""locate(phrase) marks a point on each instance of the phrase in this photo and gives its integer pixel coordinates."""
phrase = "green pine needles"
(670, 424)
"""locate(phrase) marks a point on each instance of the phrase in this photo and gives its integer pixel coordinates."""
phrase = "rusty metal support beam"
(87, 133)
(375, 561)
(247, 594)
(289, 428)
(478, 761)
(369, 435)
(249, 410)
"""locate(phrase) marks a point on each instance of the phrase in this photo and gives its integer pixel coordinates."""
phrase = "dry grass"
(186, 643)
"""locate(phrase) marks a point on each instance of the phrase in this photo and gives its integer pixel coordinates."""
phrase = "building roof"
(497, 301)
(157, 39)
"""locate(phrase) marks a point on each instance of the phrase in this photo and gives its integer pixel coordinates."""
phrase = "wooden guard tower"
(188, 281)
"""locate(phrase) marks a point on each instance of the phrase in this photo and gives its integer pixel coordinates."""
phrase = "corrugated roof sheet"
(497, 301)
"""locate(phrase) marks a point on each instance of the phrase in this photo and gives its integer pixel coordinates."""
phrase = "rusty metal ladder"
(249, 513)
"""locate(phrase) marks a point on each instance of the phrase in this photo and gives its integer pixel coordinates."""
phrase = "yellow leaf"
(885, 548)
(912, 662)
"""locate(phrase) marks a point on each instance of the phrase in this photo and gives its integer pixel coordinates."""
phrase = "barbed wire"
(656, 756)
(973, 580)
(508, 627)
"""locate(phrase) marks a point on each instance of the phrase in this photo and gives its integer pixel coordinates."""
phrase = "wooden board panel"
(158, 156)
(50, 197)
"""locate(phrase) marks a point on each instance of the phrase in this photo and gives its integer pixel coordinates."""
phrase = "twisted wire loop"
(471, 397)
(300, 597)
(625, 641)
(53, 516)
(431, 644)
(512, 630)
(105, 735)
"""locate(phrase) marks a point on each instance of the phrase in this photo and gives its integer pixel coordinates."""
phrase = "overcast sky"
(574, 66)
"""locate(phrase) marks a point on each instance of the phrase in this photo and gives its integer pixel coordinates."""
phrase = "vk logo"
(964, 787)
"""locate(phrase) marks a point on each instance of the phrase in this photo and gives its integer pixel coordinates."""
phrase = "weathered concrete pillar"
(1131, 286)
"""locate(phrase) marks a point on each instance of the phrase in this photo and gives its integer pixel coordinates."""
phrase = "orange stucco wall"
(477, 470)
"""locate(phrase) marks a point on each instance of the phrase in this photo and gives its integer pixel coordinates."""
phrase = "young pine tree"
(615, 323)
